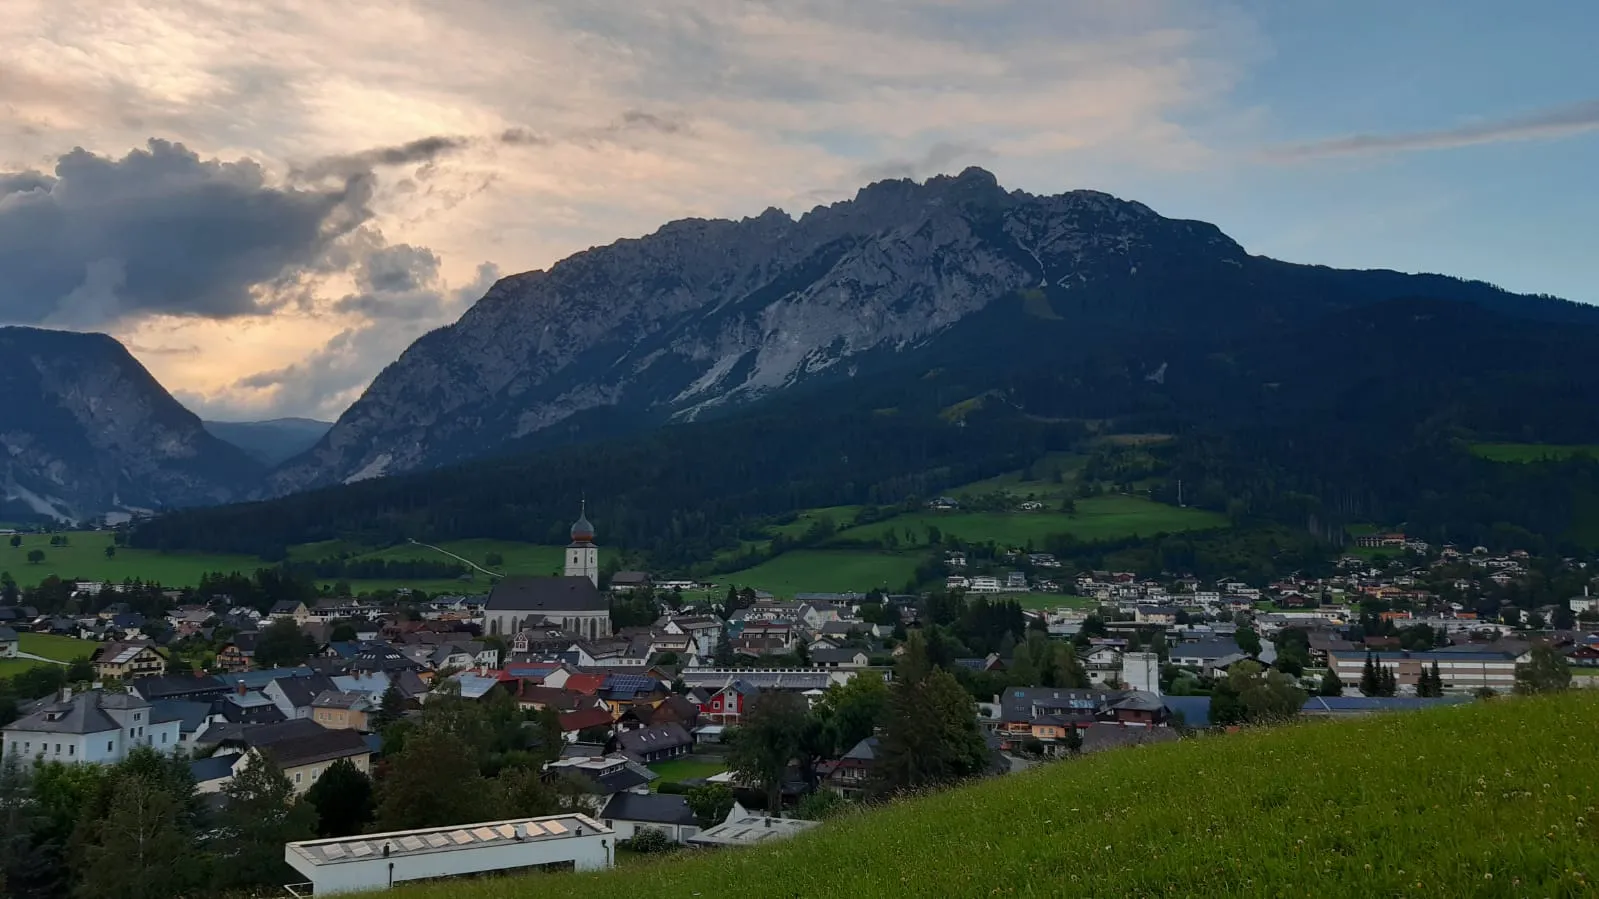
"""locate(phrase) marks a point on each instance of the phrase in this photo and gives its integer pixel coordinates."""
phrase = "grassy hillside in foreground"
(1489, 799)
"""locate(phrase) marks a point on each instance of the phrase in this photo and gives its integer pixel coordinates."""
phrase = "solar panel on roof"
(411, 844)
(360, 850)
(555, 827)
(333, 850)
(485, 834)
(507, 831)
(533, 829)
(461, 837)
(437, 840)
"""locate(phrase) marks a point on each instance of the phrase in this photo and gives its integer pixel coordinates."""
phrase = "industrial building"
(380, 860)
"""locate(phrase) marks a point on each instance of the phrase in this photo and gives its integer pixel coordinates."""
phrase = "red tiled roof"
(587, 684)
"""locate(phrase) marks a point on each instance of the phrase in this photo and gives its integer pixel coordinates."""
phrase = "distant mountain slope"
(85, 429)
(705, 316)
(271, 442)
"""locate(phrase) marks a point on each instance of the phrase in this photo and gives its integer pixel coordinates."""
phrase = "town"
(614, 713)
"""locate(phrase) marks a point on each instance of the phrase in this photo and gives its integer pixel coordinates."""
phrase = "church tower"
(582, 556)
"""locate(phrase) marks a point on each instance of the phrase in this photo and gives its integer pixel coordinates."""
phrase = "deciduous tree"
(768, 739)
(710, 803)
(1544, 672)
(258, 817)
(140, 849)
(341, 799)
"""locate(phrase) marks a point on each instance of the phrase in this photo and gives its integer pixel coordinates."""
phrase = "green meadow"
(1494, 798)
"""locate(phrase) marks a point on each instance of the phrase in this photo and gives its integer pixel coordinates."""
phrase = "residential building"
(10, 644)
(289, 609)
(851, 775)
(293, 695)
(630, 813)
(302, 749)
(336, 710)
(126, 660)
(95, 726)
(656, 744)
(1208, 656)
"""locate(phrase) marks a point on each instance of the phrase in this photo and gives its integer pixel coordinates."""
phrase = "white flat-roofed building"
(749, 829)
(380, 860)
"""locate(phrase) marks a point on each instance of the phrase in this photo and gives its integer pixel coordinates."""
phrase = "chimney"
(66, 694)
(242, 688)
(768, 821)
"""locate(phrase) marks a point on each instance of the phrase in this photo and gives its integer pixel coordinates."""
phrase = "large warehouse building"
(380, 860)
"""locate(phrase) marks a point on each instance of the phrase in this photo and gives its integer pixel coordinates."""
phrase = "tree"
(281, 643)
(710, 803)
(1390, 683)
(16, 540)
(524, 794)
(852, 711)
(1370, 677)
(493, 560)
(1331, 684)
(391, 707)
(343, 632)
(259, 816)
(1157, 645)
(17, 815)
(1545, 671)
(1023, 671)
(1563, 618)
(768, 739)
(820, 805)
(1249, 641)
(341, 799)
(930, 735)
(1069, 671)
(722, 655)
(35, 556)
(140, 849)
(110, 552)
(432, 782)
(1252, 694)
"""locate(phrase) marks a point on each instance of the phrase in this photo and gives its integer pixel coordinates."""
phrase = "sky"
(268, 202)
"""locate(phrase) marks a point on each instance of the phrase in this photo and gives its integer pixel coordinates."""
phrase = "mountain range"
(914, 299)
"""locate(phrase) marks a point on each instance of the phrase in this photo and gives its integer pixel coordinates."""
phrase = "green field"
(827, 571)
(1488, 799)
(1048, 602)
(62, 649)
(1096, 518)
(84, 558)
(1531, 452)
(679, 770)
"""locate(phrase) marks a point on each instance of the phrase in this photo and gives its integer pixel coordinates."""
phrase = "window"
(163, 737)
(108, 746)
(138, 716)
(298, 775)
(71, 749)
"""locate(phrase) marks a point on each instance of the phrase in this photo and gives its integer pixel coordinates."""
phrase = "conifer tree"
(259, 817)
(1370, 678)
(140, 849)
(1437, 680)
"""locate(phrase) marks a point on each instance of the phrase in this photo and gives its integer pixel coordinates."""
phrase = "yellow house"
(125, 660)
(341, 711)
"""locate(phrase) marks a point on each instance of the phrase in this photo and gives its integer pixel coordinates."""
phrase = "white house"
(629, 813)
(9, 644)
(96, 726)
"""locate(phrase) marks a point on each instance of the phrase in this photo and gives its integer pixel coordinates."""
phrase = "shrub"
(648, 840)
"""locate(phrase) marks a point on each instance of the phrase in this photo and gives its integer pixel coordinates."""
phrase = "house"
(990, 662)
(851, 775)
(10, 644)
(984, 584)
(727, 704)
(192, 717)
(628, 581)
(656, 744)
(238, 654)
(673, 709)
(125, 660)
(294, 695)
(1103, 663)
(289, 609)
(301, 748)
(337, 710)
(604, 776)
(629, 813)
(840, 658)
(246, 706)
(95, 726)
(1208, 656)
(574, 723)
(1015, 580)
(1156, 615)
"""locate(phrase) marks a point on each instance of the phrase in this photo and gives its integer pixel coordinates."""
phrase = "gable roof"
(82, 714)
(189, 715)
(585, 718)
(546, 595)
(864, 751)
(653, 808)
(302, 691)
(653, 739)
(320, 746)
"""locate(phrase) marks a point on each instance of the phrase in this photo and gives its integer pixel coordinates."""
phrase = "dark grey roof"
(845, 654)
(7, 635)
(189, 715)
(865, 750)
(217, 767)
(619, 781)
(302, 691)
(652, 808)
(163, 686)
(284, 607)
(653, 739)
(333, 699)
(1206, 649)
(321, 746)
(546, 595)
(82, 714)
(261, 734)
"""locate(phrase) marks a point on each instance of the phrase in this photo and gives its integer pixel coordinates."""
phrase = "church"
(572, 602)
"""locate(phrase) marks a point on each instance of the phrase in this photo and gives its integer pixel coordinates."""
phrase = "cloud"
(424, 149)
(161, 231)
(1547, 124)
(941, 157)
(402, 296)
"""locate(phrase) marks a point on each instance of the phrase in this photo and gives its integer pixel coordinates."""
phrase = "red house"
(726, 705)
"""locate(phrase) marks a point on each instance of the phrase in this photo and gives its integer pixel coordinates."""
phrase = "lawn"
(14, 667)
(1531, 452)
(679, 770)
(1488, 799)
(84, 558)
(518, 558)
(1048, 602)
(1096, 518)
(827, 571)
(62, 649)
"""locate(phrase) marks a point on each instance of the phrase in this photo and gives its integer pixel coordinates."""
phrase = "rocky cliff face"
(705, 315)
(85, 430)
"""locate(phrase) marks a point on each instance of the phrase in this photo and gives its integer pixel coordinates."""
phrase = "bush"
(648, 840)
(672, 788)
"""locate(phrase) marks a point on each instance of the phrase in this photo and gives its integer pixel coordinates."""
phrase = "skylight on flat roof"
(445, 839)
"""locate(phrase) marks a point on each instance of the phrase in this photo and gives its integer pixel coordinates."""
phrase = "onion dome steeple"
(582, 529)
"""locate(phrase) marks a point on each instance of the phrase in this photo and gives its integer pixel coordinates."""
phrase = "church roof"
(583, 530)
(546, 595)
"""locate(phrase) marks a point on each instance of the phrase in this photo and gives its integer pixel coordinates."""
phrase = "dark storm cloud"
(161, 231)
(425, 149)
